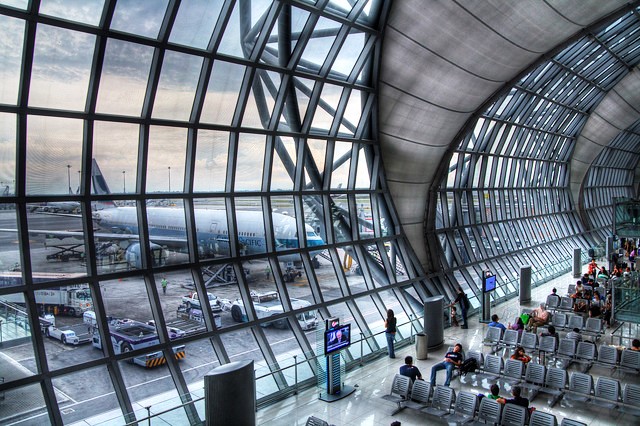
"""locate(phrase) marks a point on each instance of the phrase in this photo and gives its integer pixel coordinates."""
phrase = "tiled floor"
(365, 406)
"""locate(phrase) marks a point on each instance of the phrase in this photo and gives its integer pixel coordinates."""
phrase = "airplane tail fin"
(100, 186)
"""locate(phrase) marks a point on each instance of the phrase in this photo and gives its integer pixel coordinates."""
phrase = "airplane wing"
(162, 240)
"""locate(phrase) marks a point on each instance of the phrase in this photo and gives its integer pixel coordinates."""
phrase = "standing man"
(462, 298)
(451, 360)
(164, 285)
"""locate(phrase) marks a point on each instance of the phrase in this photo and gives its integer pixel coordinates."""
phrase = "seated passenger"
(581, 304)
(575, 335)
(517, 399)
(410, 370)
(518, 325)
(579, 287)
(551, 331)
(494, 322)
(519, 355)
(540, 317)
(451, 360)
(635, 345)
(494, 392)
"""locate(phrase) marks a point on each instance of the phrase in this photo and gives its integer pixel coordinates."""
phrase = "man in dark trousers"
(461, 298)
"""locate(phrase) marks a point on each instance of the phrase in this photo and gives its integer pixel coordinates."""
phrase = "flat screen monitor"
(489, 283)
(337, 339)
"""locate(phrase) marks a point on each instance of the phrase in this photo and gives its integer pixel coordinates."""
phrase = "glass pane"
(284, 163)
(8, 154)
(26, 398)
(222, 93)
(181, 307)
(83, 11)
(250, 162)
(195, 22)
(211, 161)
(78, 389)
(12, 34)
(314, 160)
(53, 248)
(54, 149)
(324, 114)
(140, 18)
(212, 230)
(177, 86)
(250, 223)
(123, 83)
(115, 151)
(318, 46)
(349, 53)
(165, 164)
(341, 164)
(61, 68)
(167, 230)
(9, 245)
(15, 330)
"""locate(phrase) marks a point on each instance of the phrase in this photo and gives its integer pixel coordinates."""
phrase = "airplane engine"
(134, 259)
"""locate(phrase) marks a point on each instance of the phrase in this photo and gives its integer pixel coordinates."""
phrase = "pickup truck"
(191, 301)
(73, 335)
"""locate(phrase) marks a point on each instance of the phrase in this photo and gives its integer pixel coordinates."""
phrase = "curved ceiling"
(443, 61)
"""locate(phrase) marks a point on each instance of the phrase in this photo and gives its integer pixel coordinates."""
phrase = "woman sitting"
(518, 325)
(519, 355)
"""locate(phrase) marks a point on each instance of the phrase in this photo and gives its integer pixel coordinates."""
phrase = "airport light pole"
(69, 177)
(79, 180)
(169, 168)
(124, 181)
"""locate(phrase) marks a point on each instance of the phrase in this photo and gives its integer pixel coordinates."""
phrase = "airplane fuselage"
(167, 227)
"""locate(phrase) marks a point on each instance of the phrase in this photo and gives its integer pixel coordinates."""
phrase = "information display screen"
(336, 339)
(489, 283)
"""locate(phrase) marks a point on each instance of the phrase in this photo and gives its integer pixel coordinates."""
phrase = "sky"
(62, 71)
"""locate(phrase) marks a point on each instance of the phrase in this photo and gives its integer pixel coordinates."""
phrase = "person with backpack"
(462, 298)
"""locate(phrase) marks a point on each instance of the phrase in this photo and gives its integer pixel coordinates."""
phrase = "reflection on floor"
(365, 406)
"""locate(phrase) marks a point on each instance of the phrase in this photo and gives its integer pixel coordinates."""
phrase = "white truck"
(191, 300)
(268, 304)
(72, 300)
(71, 335)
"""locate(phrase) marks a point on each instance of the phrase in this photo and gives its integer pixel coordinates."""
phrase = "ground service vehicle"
(72, 300)
(192, 301)
(190, 320)
(268, 304)
(129, 335)
(72, 335)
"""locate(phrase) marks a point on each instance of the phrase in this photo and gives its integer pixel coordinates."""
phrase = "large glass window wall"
(505, 198)
(188, 184)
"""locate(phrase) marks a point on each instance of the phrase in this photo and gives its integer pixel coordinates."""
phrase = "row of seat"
(568, 351)
(591, 326)
(553, 381)
(528, 340)
(465, 407)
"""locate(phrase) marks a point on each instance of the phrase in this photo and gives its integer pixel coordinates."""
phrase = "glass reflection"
(12, 33)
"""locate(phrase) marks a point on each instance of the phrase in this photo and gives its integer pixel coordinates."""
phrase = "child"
(454, 317)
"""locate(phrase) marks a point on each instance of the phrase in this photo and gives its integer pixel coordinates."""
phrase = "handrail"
(294, 389)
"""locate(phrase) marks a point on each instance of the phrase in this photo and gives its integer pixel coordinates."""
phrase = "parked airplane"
(57, 206)
(167, 227)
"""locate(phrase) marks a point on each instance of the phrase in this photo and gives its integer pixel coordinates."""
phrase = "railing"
(376, 342)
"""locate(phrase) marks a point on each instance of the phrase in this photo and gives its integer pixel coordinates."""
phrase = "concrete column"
(525, 284)
(230, 395)
(577, 262)
(434, 321)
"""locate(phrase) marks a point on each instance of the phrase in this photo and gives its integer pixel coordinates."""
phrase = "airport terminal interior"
(189, 186)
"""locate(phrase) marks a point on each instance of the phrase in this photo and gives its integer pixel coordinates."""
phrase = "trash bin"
(422, 341)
